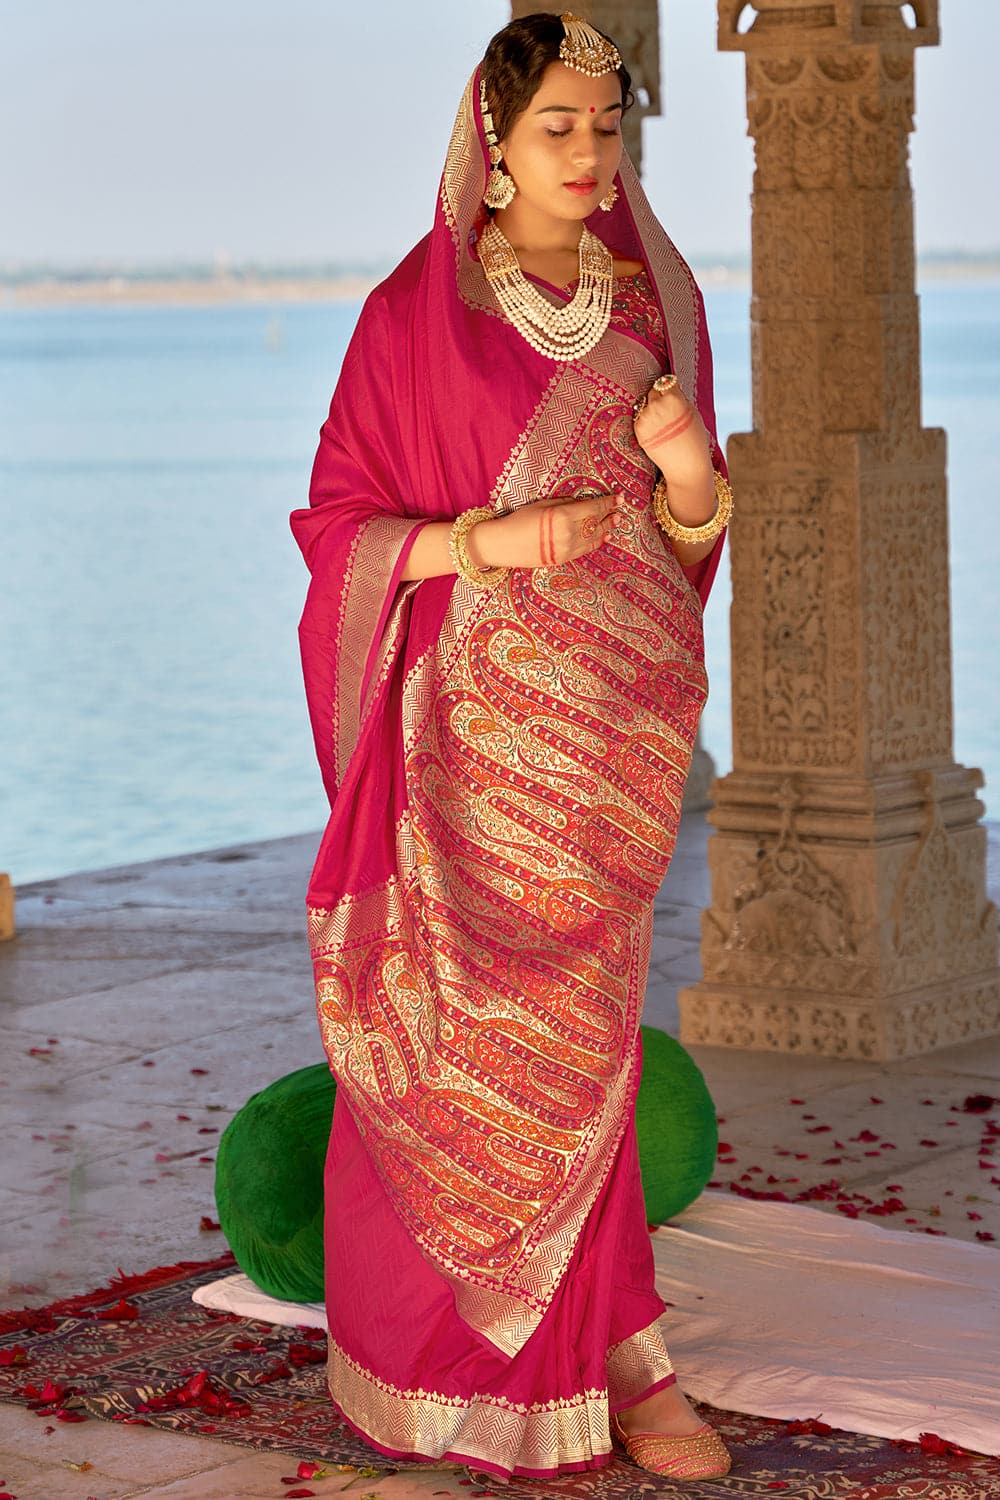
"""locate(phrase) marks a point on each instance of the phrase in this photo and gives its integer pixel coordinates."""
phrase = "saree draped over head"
(505, 770)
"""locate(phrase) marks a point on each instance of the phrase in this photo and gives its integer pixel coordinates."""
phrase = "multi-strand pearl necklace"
(563, 333)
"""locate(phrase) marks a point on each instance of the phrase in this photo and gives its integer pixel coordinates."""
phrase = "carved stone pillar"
(849, 914)
(635, 27)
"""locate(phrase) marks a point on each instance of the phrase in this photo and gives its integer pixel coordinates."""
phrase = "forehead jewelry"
(585, 49)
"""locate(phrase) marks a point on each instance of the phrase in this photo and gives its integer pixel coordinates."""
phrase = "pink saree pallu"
(505, 769)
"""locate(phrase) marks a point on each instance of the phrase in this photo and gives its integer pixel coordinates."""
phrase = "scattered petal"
(199, 1072)
(976, 1104)
(208, 1223)
(122, 1310)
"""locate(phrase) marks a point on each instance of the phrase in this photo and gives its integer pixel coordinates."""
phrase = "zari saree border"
(505, 1434)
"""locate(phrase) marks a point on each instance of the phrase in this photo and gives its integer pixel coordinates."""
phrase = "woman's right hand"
(545, 532)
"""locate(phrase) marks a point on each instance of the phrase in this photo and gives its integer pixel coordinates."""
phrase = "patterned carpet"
(141, 1351)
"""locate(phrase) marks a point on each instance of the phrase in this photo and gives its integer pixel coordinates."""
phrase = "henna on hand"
(672, 429)
(546, 536)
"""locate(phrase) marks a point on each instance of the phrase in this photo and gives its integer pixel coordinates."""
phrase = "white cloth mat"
(783, 1310)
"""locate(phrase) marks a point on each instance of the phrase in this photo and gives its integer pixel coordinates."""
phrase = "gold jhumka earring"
(500, 188)
(609, 200)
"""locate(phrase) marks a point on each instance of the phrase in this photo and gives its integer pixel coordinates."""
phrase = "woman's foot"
(663, 1434)
(667, 1410)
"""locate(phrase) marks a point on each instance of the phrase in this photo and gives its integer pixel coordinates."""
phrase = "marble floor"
(141, 1006)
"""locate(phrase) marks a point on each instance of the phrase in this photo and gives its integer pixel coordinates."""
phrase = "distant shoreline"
(182, 291)
(122, 289)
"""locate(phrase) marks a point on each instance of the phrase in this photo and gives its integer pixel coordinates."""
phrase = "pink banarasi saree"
(505, 771)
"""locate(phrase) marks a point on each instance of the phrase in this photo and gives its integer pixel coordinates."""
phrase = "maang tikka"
(584, 49)
(500, 188)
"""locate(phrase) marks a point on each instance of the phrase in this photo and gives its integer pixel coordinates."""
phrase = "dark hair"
(514, 63)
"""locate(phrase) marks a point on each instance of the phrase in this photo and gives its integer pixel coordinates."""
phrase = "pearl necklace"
(562, 333)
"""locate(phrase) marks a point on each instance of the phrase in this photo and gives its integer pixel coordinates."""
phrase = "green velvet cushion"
(269, 1167)
(675, 1127)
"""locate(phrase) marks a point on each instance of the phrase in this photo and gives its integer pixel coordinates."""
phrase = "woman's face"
(564, 150)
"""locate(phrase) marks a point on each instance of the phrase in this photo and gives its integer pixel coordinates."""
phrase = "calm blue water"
(150, 589)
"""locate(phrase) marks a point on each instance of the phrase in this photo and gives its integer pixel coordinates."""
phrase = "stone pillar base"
(848, 918)
(826, 1025)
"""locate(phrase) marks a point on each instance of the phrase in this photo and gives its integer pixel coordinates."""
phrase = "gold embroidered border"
(372, 561)
(505, 1433)
(635, 1364)
(674, 283)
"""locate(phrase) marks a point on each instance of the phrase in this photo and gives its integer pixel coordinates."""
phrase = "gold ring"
(665, 382)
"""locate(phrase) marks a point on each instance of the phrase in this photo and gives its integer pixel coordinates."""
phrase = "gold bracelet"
(480, 578)
(711, 528)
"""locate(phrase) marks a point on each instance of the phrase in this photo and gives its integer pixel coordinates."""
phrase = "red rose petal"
(124, 1311)
(149, 1063)
(928, 1143)
(984, 1234)
(208, 1223)
(199, 1072)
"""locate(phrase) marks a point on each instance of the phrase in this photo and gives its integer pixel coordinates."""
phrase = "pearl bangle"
(711, 528)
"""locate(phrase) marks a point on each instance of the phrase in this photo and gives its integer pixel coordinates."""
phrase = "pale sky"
(308, 131)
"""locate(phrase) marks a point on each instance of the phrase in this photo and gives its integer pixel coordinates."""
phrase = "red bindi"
(593, 111)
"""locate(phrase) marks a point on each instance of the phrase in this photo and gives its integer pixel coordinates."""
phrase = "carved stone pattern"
(960, 1012)
(941, 923)
(906, 624)
(821, 140)
(797, 696)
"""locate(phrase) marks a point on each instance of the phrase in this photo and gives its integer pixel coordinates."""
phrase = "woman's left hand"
(671, 433)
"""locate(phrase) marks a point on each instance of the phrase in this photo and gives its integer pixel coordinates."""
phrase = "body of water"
(150, 589)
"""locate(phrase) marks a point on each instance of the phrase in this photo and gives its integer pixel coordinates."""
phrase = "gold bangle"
(711, 528)
(480, 578)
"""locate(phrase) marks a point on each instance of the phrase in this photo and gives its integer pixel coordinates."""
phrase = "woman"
(504, 706)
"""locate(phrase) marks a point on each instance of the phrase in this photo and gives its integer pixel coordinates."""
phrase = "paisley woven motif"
(483, 1016)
